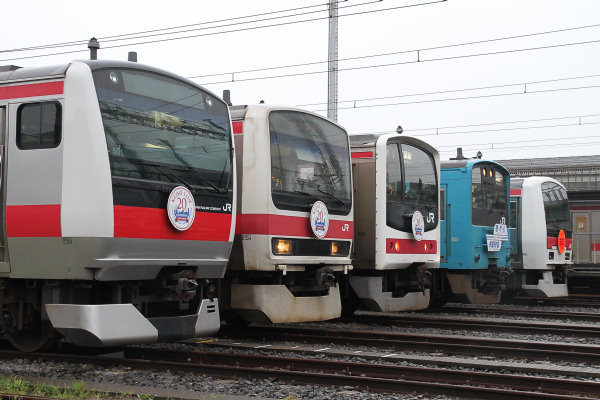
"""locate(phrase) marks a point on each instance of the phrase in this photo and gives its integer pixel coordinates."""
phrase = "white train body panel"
(261, 221)
(380, 246)
(69, 217)
(535, 240)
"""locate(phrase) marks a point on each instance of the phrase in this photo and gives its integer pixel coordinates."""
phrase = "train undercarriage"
(92, 313)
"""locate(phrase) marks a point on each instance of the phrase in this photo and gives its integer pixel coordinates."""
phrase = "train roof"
(14, 73)
(468, 161)
(369, 140)
(364, 140)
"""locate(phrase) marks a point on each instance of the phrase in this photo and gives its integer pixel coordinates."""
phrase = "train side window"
(39, 125)
(513, 214)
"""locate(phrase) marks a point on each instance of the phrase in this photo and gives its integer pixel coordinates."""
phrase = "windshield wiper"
(342, 202)
(197, 175)
(186, 167)
(165, 170)
(308, 194)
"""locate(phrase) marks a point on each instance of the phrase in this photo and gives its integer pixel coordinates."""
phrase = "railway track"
(560, 315)
(358, 375)
(439, 344)
(487, 325)
(573, 300)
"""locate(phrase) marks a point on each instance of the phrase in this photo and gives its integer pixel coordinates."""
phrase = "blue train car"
(474, 245)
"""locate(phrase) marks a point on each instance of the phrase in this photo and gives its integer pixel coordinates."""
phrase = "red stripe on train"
(515, 192)
(362, 154)
(283, 225)
(153, 223)
(410, 246)
(31, 90)
(33, 221)
(552, 241)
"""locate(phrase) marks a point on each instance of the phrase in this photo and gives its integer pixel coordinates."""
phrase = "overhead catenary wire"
(495, 149)
(129, 35)
(416, 61)
(236, 30)
(404, 51)
(438, 129)
(507, 85)
(497, 146)
(448, 91)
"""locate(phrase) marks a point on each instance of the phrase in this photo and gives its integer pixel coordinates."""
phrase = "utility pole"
(332, 63)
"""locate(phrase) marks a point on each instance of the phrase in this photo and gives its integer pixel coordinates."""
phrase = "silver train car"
(541, 237)
(294, 217)
(117, 190)
(397, 232)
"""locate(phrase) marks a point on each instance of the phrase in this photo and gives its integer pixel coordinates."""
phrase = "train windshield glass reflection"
(489, 196)
(310, 161)
(411, 185)
(162, 129)
(556, 208)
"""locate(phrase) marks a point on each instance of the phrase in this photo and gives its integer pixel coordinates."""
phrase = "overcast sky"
(543, 74)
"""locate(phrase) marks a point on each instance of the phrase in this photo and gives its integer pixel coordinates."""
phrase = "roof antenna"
(227, 97)
(132, 56)
(459, 154)
(93, 45)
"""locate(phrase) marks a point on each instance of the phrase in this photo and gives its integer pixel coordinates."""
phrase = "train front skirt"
(122, 324)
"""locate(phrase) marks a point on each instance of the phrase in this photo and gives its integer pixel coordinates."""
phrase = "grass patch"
(78, 390)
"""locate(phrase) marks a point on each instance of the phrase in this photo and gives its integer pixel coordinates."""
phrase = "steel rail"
(563, 315)
(487, 325)
(387, 384)
(450, 345)
(386, 371)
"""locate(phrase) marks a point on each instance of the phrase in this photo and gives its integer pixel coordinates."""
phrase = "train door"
(582, 243)
(4, 266)
(516, 253)
(444, 224)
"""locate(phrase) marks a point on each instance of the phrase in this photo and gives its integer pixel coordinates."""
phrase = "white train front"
(294, 226)
(397, 233)
(92, 154)
(541, 236)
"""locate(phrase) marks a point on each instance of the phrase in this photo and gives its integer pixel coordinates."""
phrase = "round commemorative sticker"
(181, 208)
(319, 219)
(418, 225)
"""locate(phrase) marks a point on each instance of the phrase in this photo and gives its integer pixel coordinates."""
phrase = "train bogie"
(396, 185)
(105, 168)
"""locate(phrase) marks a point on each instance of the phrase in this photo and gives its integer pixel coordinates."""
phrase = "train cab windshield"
(163, 130)
(310, 161)
(411, 185)
(556, 208)
(489, 196)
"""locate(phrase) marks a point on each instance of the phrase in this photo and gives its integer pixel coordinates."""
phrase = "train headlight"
(283, 246)
(335, 249)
